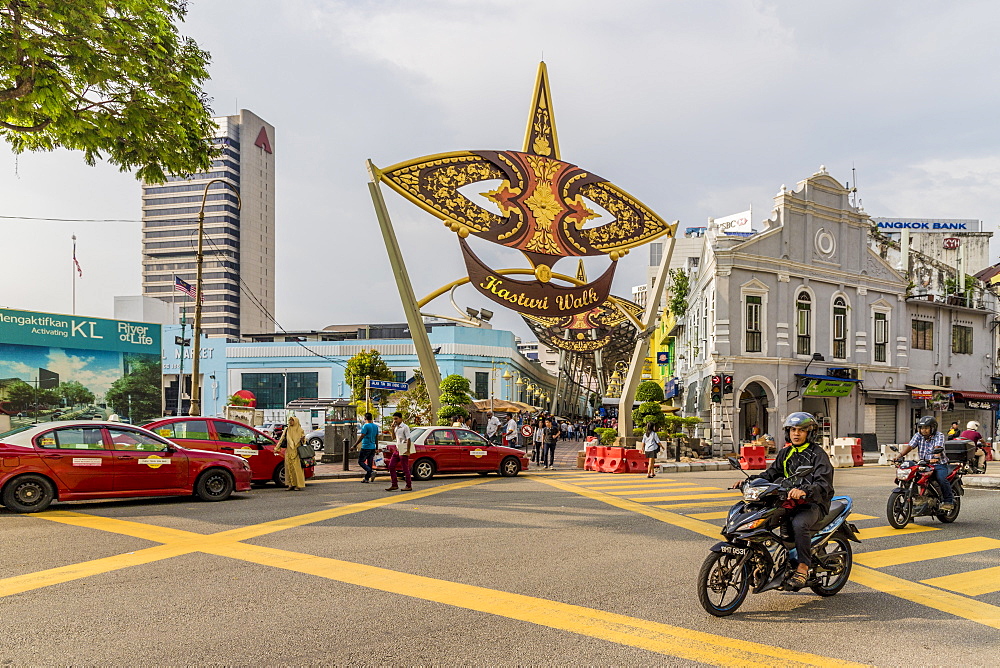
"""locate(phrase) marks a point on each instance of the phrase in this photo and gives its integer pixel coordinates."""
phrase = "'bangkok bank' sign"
(927, 224)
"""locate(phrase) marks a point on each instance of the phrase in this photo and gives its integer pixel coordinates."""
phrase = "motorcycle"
(759, 549)
(918, 494)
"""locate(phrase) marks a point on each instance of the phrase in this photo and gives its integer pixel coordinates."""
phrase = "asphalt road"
(564, 568)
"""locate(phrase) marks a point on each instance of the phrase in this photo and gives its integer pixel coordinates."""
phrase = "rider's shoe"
(947, 506)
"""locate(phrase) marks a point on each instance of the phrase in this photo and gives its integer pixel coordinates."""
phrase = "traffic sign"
(387, 385)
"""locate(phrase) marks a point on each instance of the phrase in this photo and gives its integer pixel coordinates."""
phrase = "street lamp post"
(195, 408)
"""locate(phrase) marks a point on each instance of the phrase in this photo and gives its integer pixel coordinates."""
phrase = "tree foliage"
(680, 286)
(367, 363)
(414, 403)
(19, 394)
(649, 390)
(139, 393)
(73, 392)
(647, 412)
(110, 78)
(454, 398)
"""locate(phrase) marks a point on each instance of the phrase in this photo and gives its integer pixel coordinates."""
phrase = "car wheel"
(214, 485)
(423, 469)
(279, 475)
(510, 467)
(317, 444)
(28, 494)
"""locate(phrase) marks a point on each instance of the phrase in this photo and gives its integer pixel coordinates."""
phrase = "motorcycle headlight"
(902, 474)
(752, 525)
(752, 493)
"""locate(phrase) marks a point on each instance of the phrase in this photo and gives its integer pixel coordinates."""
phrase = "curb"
(982, 481)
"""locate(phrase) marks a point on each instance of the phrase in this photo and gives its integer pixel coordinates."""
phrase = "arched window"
(839, 328)
(803, 324)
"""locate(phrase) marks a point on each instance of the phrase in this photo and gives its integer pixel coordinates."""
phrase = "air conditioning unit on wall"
(946, 381)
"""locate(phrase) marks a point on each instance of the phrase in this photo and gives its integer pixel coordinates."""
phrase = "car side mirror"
(894, 448)
(733, 462)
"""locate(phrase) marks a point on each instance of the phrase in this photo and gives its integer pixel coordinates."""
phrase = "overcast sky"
(697, 108)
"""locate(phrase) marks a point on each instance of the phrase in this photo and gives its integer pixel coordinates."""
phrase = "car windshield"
(415, 433)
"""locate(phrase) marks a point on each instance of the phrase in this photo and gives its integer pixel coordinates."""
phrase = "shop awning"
(936, 388)
(977, 396)
(816, 376)
(818, 385)
(888, 394)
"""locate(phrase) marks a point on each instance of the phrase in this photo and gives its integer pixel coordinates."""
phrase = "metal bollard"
(677, 449)
(347, 451)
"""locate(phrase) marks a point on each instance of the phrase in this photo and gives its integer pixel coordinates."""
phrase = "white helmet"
(973, 425)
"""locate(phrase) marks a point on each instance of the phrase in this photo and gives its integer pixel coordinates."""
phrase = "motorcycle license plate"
(732, 549)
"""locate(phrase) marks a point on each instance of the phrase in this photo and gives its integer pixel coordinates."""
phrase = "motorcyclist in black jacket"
(815, 489)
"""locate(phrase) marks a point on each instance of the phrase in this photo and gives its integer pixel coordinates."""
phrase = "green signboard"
(828, 388)
(67, 366)
(29, 328)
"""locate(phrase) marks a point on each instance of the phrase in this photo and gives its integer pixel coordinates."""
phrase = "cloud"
(93, 373)
(19, 369)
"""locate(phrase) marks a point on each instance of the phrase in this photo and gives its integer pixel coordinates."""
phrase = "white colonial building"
(812, 314)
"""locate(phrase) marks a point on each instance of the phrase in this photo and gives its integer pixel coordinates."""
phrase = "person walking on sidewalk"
(552, 435)
(291, 438)
(368, 440)
(401, 453)
(651, 446)
(537, 438)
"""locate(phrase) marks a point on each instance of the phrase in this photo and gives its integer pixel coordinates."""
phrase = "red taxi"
(453, 450)
(74, 461)
(221, 435)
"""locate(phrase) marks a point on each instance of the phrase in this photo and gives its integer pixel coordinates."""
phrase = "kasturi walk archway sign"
(545, 214)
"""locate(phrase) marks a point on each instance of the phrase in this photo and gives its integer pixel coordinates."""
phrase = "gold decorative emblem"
(546, 206)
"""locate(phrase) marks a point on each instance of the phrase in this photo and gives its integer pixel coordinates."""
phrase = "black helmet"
(927, 421)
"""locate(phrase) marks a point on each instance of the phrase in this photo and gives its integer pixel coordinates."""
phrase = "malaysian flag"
(185, 287)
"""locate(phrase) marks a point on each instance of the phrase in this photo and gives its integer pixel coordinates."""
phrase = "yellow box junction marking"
(921, 594)
(663, 490)
(867, 533)
(688, 497)
(970, 583)
(651, 636)
(909, 555)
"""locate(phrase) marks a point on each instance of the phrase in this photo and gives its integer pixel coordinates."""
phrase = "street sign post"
(386, 385)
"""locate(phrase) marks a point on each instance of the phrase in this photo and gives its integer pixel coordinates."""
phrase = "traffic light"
(727, 384)
(717, 389)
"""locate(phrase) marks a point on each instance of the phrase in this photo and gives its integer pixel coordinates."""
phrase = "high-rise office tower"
(238, 271)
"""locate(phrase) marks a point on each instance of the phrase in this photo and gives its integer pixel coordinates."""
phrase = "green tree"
(20, 395)
(649, 390)
(680, 285)
(647, 412)
(139, 393)
(414, 403)
(367, 363)
(106, 77)
(73, 392)
(454, 398)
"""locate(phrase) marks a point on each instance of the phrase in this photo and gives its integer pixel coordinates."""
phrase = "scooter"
(917, 493)
(759, 550)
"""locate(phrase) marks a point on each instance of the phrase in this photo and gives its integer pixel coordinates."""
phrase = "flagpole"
(73, 270)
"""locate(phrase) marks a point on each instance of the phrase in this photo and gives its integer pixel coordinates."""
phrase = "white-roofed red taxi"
(80, 460)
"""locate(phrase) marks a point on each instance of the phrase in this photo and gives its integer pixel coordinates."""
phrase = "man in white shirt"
(400, 456)
(510, 432)
(492, 426)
